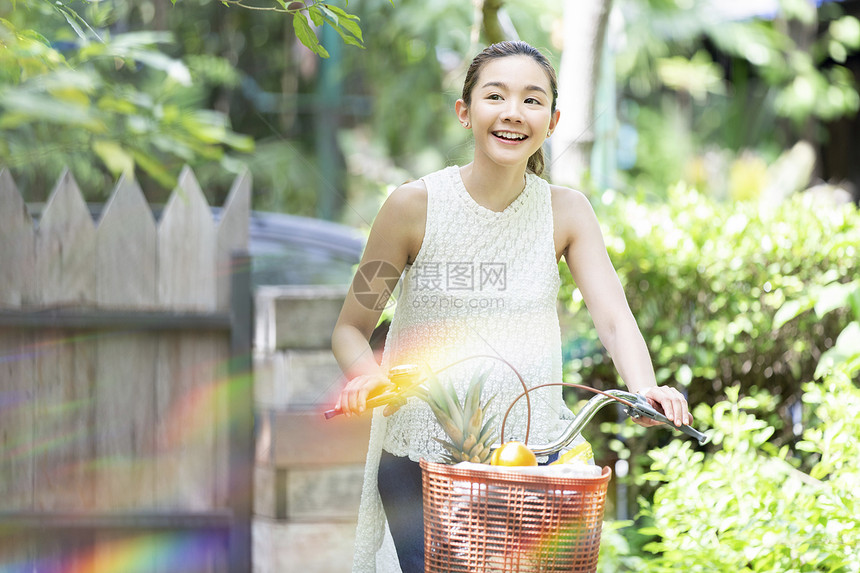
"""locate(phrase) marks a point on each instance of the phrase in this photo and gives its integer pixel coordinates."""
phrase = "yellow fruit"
(494, 459)
(513, 454)
(578, 454)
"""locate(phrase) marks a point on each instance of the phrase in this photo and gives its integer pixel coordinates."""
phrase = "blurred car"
(292, 250)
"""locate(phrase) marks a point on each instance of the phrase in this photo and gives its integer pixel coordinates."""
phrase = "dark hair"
(502, 50)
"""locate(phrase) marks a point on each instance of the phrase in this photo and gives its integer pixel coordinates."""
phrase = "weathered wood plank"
(17, 246)
(185, 421)
(225, 385)
(16, 551)
(16, 420)
(186, 249)
(125, 421)
(232, 234)
(192, 552)
(56, 551)
(63, 430)
(125, 371)
(125, 551)
(126, 251)
(65, 248)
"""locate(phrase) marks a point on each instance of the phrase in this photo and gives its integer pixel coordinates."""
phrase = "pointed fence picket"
(119, 345)
(17, 246)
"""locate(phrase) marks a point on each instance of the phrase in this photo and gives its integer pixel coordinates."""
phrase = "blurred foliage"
(692, 82)
(307, 15)
(701, 92)
(723, 293)
(76, 95)
(707, 281)
(754, 309)
(747, 505)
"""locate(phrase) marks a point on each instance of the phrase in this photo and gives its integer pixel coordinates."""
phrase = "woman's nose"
(512, 113)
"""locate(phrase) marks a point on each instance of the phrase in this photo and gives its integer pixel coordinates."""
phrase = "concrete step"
(296, 379)
(296, 317)
(329, 493)
(312, 547)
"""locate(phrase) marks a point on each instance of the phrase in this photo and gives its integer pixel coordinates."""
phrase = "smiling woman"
(486, 238)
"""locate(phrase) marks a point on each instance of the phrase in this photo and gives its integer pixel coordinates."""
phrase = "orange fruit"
(513, 454)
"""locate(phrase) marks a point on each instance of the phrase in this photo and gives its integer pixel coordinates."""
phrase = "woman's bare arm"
(585, 253)
(394, 241)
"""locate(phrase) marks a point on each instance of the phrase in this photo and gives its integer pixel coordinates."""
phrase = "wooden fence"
(126, 432)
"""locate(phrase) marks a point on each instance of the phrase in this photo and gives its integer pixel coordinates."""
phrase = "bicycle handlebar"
(636, 406)
(644, 408)
(405, 377)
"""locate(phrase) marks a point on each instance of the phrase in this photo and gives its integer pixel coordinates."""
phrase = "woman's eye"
(494, 97)
(533, 101)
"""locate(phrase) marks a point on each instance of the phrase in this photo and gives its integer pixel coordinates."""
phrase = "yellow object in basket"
(513, 453)
(579, 454)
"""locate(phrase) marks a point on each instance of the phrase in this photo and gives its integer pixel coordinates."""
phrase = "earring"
(466, 125)
(548, 133)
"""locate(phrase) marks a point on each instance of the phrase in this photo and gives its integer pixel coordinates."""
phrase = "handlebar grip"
(694, 433)
(373, 402)
(332, 413)
(644, 408)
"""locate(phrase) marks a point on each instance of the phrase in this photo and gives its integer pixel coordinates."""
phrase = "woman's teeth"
(507, 135)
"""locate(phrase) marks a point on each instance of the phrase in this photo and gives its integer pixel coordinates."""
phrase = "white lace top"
(483, 283)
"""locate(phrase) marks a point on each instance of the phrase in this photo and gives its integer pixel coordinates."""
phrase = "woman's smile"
(509, 137)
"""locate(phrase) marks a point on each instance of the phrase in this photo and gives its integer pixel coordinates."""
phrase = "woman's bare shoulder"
(409, 201)
(403, 217)
(570, 203)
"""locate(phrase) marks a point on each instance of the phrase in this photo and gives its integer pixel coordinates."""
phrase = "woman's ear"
(462, 113)
(553, 122)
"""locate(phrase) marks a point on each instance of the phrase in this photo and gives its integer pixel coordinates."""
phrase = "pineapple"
(470, 436)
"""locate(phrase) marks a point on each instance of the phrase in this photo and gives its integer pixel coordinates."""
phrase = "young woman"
(480, 246)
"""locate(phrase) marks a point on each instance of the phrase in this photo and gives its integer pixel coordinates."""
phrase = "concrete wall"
(308, 472)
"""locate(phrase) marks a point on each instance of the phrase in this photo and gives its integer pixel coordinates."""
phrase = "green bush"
(705, 280)
(750, 287)
(746, 506)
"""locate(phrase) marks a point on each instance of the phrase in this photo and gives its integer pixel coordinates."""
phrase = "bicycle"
(478, 520)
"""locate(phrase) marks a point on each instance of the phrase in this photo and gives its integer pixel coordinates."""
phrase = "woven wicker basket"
(481, 522)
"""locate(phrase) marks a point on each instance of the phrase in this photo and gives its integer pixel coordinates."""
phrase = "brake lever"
(643, 408)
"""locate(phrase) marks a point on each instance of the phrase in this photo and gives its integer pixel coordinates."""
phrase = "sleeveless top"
(483, 283)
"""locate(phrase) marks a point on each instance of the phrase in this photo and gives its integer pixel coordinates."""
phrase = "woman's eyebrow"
(504, 86)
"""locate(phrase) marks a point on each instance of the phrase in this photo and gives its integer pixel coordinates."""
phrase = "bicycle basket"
(479, 521)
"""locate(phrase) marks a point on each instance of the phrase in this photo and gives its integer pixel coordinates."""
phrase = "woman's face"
(511, 110)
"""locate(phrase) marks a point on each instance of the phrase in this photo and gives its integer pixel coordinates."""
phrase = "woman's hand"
(668, 400)
(353, 397)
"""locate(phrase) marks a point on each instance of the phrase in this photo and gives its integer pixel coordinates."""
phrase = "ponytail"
(536, 163)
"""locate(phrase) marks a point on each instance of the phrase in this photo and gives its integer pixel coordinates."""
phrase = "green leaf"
(348, 39)
(316, 15)
(306, 35)
(72, 23)
(344, 20)
(834, 296)
(115, 158)
(845, 350)
(339, 11)
(154, 168)
(847, 31)
(791, 309)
